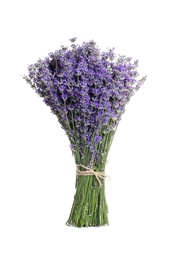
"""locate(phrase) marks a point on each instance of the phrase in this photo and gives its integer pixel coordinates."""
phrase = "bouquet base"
(89, 206)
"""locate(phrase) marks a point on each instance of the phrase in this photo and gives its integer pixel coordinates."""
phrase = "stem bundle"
(89, 207)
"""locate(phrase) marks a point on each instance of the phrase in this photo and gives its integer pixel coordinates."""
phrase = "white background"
(37, 171)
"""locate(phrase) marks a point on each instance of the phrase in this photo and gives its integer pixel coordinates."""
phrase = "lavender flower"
(87, 90)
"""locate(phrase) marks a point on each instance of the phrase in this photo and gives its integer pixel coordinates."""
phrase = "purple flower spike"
(86, 89)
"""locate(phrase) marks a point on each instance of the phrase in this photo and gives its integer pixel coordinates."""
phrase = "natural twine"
(89, 171)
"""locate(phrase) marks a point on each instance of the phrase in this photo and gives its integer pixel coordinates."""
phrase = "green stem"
(89, 206)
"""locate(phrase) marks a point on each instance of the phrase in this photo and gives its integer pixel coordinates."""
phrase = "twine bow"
(89, 171)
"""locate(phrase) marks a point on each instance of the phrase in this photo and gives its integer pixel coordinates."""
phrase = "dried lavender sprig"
(88, 91)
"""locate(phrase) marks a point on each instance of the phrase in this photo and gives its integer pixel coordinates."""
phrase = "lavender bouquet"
(87, 90)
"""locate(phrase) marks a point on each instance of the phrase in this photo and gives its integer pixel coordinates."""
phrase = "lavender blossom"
(87, 90)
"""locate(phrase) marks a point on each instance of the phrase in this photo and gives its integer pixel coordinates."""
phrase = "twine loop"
(88, 172)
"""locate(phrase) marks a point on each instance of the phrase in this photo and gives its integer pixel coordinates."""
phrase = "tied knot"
(88, 171)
